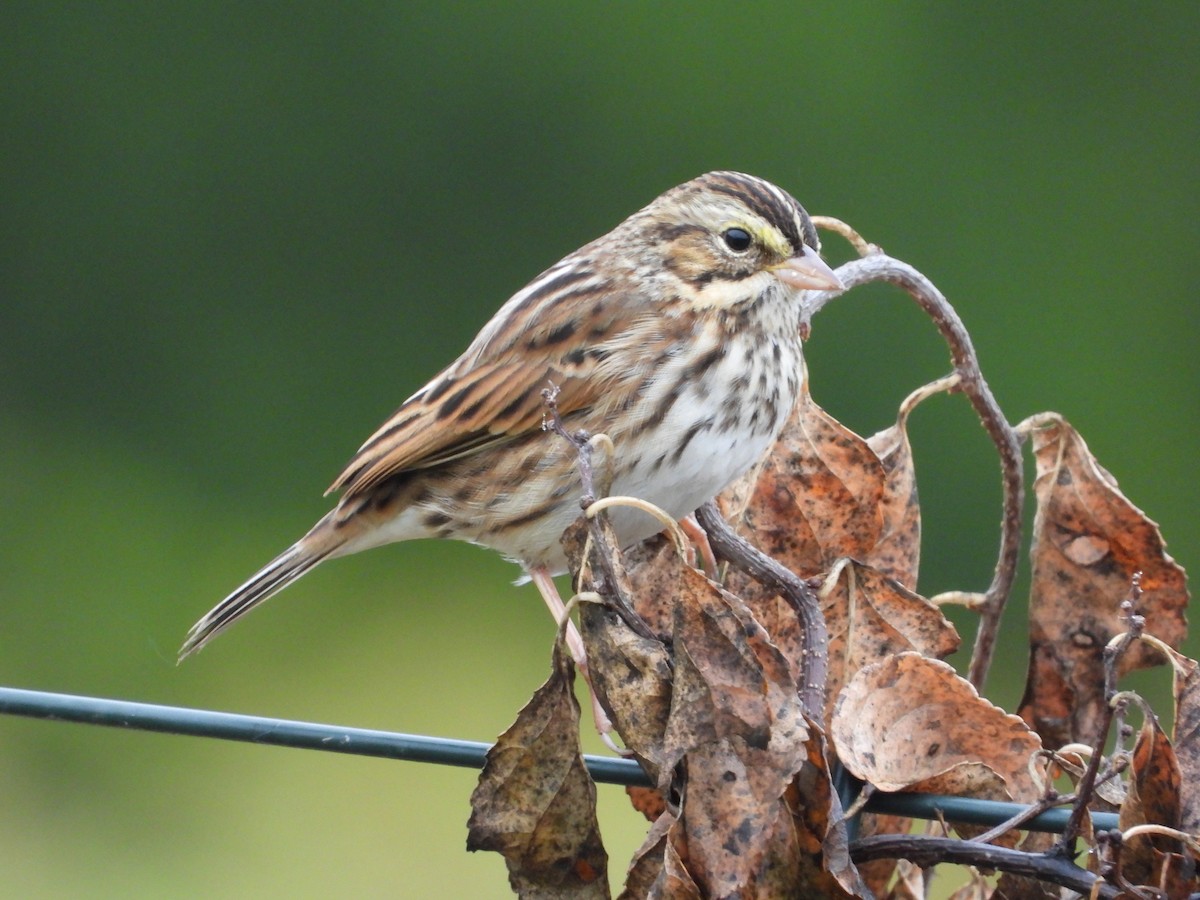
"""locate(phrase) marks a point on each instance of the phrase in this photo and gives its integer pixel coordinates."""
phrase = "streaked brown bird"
(676, 334)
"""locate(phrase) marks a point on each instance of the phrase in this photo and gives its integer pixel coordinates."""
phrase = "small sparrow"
(676, 334)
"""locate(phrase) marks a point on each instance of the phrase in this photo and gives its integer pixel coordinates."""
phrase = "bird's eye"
(737, 239)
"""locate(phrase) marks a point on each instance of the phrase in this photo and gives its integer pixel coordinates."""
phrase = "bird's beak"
(808, 272)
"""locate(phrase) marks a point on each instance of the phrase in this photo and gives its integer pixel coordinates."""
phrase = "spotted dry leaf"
(737, 726)
(535, 802)
(1153, 798)
(1019, 887)
(647, 800)
(975, 889)
(824, 494)
(1174, 875)
(646, 866)
(1186, 740)
(910, 882)
(1088, 543)
(1011, 886)
(788, 872)
(879, 873)
(675, 882)
(908, 719)
(871, 617)
(815, 498)
(820, 828)
(653, 568)
(631, 676)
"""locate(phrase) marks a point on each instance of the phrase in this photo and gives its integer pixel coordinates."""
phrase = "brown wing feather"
(493, 392)
(459, 414)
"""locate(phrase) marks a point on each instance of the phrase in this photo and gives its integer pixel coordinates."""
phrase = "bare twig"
(1051, 800)
(861, 245)
(931, 851)
(608, 582)
(814, 649)
(877, 266)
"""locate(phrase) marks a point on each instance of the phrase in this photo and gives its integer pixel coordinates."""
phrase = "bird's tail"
(318, 545)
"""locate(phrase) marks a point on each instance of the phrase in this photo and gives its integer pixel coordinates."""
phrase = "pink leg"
(700, 538)
(549, 591)
(541, 577)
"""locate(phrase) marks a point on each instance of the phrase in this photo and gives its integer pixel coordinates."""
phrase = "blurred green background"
(236, 236)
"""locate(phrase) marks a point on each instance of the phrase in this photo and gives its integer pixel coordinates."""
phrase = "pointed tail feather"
(288, 566)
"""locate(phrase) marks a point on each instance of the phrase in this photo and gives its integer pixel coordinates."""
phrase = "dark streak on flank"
(706, 361)
(660, 411)
(731, 411)
(532, 516)
(689, 435)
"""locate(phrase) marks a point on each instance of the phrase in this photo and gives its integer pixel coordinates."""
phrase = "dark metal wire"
(444, 751)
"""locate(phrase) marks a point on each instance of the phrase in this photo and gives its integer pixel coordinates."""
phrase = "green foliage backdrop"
(233, 237)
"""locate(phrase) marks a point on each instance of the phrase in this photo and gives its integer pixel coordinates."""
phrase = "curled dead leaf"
(737, 725)
(908, 720)
(870, 617)
(535, 802)
(1186, 740)
(1088, 543)
(814, 498)
(1153, 798)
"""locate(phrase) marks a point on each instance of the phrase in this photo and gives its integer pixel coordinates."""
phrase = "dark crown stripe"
(773, 204)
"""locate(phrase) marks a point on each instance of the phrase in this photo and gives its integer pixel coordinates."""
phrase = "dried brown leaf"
(910, 882)
(1153, 798)
(631, 676)
(1175, 875)
(1088, 542)
(870, 617)
(975, 889)
(653, 567)
(820, 828)
(646, 867)
(647, 800)
(825, 494)
(815, 498)
(1020, 887)
(877, 874)
(675, 882)
(535, 802)
(1011, 886)
(737, 724)
(907, 719)
(1186, 740)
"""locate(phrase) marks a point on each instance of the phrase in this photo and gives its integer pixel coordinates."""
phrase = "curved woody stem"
(875, 266)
